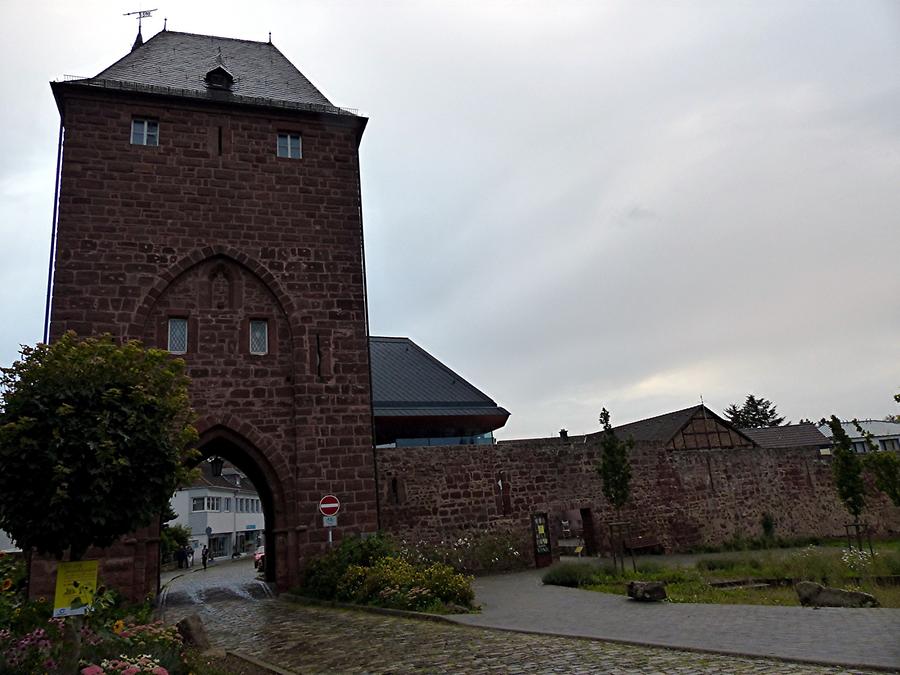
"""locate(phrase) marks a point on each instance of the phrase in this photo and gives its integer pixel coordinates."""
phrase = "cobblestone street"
(321, 640)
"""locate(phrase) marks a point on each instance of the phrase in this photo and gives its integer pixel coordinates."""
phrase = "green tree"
(885, 469)
(754, 414)
(615, 472)
(171, 538)
(847, 469)
(94, 438)
(614, 467)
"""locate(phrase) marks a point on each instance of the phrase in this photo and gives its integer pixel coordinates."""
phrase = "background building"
(885, 435)
(223, 512)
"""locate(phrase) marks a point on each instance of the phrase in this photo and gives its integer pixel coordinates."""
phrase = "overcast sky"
(573, 205)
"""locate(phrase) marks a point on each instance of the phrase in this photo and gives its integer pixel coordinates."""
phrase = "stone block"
(647, 591)
(812, 594)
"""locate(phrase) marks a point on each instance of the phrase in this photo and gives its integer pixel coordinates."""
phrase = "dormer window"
(219, 78)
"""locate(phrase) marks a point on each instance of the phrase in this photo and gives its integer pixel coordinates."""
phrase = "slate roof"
(660, 428)
(206, 479)
(408, 381)
(877, 428)
(176, 63)
(788, 436)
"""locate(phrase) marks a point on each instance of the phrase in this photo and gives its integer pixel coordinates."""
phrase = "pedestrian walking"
(189, 551)
(180, 557)
(204, 556)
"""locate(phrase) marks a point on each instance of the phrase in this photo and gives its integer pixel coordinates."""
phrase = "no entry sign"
(329, 505)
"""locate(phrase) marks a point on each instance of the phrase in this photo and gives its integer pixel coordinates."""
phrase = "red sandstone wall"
(131, 565)
(684, 498)
(149, 232)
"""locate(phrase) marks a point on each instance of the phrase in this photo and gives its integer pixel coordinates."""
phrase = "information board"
(76, 584)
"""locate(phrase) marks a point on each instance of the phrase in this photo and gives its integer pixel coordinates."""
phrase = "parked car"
(259, 558)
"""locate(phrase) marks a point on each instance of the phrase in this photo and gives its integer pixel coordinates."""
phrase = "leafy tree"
(614, 467)
(847, 468)
(754, 414)
(885, 468)
(94, 437)
(615, 472)
(171, 538)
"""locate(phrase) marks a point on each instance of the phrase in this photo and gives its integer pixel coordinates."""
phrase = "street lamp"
(216, 464)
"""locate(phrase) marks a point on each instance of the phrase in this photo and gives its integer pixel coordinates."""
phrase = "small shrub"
(497, 550)
(572, 575)
(710, 564)
(650, 567)
(768, 525)
(398, 584)
(888, 563)
(323, 574)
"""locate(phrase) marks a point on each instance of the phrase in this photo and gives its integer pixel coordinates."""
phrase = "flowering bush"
(857, 561)
(323, 574)
(143, 664)
(36, 651)
(397, 583)
(497, 550)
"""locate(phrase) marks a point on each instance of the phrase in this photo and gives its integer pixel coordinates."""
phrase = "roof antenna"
(270, 37)
(141, 14)
(165, 22)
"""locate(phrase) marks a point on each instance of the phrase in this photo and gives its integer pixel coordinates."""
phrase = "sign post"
(329, 506)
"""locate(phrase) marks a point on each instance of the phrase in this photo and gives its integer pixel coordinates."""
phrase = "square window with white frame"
(178, 336)
(289, 146)
(259, 337)
(144, 132)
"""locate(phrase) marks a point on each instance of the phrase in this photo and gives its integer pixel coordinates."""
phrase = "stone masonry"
(682, 498)
(212, 227)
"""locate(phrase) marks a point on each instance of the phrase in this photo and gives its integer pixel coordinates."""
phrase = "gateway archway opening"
(232, 507)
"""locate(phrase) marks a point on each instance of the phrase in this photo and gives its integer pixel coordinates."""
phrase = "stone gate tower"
(209, 204)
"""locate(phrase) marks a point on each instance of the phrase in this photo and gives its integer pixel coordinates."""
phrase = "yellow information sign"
(76, 583)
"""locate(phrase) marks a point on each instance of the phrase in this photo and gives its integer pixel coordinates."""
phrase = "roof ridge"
(668, 414)
(397, 338)
(217, 37)
(457, 376)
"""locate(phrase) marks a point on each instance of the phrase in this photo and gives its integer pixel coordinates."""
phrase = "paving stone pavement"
(849, 637)
(323, 640)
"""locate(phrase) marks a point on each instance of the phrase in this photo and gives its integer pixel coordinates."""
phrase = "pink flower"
(159, 670)
(132, 670)
(92, 670)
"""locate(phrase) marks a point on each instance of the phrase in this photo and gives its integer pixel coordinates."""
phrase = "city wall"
(681, 498)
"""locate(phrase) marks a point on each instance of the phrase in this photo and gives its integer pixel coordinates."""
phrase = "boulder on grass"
(812, 594)
(192, 632)
(647, 591)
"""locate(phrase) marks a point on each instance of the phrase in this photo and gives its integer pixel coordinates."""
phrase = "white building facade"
(223, 513)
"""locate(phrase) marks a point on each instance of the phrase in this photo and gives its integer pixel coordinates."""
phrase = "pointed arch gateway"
(246, 450)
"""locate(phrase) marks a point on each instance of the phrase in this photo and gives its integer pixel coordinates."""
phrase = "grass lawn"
(888, 596)
(829, 564)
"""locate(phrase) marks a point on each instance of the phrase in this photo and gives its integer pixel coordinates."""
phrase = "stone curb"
(447, 619)
(259, 663)
(403, 613)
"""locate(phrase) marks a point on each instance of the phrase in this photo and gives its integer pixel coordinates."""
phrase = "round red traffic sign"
(329, 505)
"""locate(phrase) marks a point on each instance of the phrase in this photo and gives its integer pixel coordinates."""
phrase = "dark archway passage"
(220, 441)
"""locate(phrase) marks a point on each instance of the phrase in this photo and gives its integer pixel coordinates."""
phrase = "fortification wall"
(682, 498)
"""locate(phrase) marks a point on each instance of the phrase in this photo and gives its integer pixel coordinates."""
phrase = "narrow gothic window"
(290, 145)
(144, 132)
(178, 336)
(259, 337)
